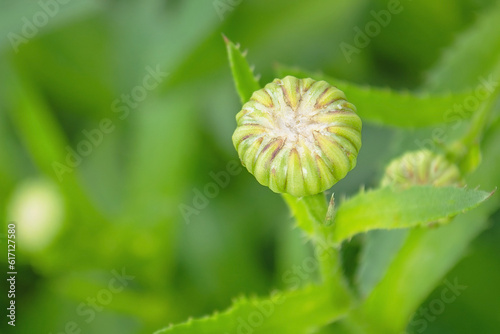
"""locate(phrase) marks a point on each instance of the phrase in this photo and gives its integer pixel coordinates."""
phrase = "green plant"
(421, 192)
(298, 136)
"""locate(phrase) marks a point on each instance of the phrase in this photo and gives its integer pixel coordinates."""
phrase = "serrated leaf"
(293, 312)
(243, 76)
(389, 107)
(389, 208)
(428, 254)
(417, 268)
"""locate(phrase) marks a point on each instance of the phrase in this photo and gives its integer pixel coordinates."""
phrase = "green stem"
(478, 123)
(310, 213)
(465, 148)
(326, 252)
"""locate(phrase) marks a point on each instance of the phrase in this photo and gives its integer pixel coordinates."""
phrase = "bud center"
(295, 125)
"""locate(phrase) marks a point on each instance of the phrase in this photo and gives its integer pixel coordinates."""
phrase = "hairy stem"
(465, 148)
(310, 213)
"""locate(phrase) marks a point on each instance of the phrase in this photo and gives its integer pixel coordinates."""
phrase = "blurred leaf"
(324, 25)
(35, 123)
(20, 20)
(268, 40)
(386, 106)
(243, 76)
(155, 26)
(45, 141)
(44, 138)
(379, 249)
(389, 208)
(472, 160)
(408, 44)
(480, 43)
(293, 312)
(94, 52)
(11, 162)
(423, 260)
(73, 75)
(428, 254)
(162, 155)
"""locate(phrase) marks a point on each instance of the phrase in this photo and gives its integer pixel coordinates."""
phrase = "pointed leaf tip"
(243, 77)
(388, 208)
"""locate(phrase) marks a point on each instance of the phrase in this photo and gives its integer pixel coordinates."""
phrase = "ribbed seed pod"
(298, 136)
(421, 168)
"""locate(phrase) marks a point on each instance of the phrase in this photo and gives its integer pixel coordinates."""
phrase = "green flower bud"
(421, 168)
(298, 136)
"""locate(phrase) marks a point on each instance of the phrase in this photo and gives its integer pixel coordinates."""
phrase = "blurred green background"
(141, 91)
